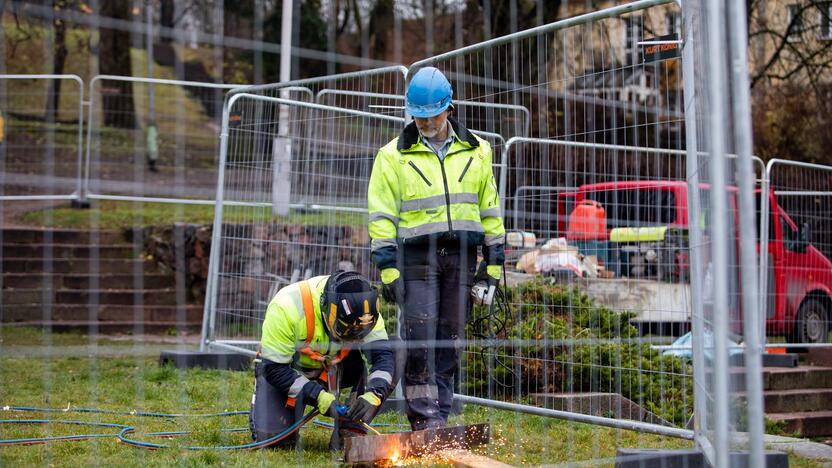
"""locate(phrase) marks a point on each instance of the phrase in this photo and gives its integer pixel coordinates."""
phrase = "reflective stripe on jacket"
(414, 196)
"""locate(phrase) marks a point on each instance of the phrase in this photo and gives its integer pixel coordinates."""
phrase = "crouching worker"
(316, 335)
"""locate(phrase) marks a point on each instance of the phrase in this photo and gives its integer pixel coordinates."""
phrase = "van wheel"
(812, 323)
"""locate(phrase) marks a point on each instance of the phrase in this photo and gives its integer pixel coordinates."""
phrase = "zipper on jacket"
(447, 193)
(467, 165)
(422, 175)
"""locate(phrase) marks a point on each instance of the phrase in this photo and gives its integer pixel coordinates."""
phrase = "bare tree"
(794, 44)
(114, 59)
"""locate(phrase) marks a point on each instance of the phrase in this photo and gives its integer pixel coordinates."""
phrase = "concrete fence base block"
(688, 458)
(206, 360)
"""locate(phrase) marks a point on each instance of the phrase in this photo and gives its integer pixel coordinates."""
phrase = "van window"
(636, 207)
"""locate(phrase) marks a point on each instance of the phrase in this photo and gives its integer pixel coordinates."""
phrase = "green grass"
(138, 383)
(107, 214)
(25, 336)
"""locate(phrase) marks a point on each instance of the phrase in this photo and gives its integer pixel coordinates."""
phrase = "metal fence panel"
(326, 179)
(798, 272)
(567, 344)
(152, 139)
(41, 136)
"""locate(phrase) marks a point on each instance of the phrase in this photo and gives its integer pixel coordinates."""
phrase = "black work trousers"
(270, 414)
(436, 308)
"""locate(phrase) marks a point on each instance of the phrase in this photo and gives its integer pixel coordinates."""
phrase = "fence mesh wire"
(41, 140)
(604, 123)
(798, 306)
(153, 139)
(324, 156)
(613, 228)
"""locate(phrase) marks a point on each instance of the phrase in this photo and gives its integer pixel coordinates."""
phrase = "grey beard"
(433, 134)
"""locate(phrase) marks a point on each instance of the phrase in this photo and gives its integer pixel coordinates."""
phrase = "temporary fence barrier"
(318, 194)
(585, 84)
(551, 347)
(153, 139)
(41, 137)
(796, 287)
(317, 191)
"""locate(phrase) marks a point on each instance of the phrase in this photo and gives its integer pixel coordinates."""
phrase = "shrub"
(556, 339)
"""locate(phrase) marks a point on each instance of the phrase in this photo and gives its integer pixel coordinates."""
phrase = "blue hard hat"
(428, 94)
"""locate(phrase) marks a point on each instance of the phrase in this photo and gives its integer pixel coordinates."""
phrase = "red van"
(800, 276)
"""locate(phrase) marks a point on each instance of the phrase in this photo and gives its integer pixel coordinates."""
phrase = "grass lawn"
(134, 381)
(107, 214)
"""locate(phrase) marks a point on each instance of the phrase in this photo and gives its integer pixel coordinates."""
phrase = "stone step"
(60, 265)
(799, 400)
(60, 236)
(782, 378)
(34, 313)
(68, 251)
(85, 281)
(806, 424)
(166, 296)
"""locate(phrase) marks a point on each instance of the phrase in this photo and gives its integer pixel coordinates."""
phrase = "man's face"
(429, 127)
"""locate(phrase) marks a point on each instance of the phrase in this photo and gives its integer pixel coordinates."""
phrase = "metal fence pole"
(720, 230)
(751, 311)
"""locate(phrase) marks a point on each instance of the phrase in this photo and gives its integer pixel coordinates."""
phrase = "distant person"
(432, 201)
(312, 328)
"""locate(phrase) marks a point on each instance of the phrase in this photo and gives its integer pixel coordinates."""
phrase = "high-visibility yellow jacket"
(285, 333)
(414, 196)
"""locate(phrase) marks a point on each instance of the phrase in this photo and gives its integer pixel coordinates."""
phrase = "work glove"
(392, 286)
(488, 274)
(326, 404)
(365, 407)
(486, 277)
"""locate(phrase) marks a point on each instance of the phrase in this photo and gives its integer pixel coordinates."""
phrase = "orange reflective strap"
(308, 310)
(309, 313)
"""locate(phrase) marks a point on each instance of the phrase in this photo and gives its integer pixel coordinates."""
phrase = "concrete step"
(60, 265)
(34, 313)
(61, 236)
(800, 400)
(68, 251)
(166, 296)
(781, 378)
(86, 281)
(806, 424)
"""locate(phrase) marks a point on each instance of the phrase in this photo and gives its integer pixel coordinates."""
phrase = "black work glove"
(392, 286)
(365, 407)
(488, 274)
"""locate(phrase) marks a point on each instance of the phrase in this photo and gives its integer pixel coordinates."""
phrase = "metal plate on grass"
(372, 448)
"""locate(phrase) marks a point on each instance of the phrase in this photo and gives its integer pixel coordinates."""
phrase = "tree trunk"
(114, 59)
(53, 97)
(381, 22)
(166, 18)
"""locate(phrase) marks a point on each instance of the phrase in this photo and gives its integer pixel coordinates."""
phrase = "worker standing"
(312, 330)
(432, 201)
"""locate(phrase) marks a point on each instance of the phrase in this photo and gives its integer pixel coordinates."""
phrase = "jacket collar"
(410, 135)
